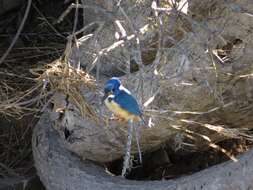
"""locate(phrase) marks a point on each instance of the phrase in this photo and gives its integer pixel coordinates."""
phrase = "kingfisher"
(122, 103)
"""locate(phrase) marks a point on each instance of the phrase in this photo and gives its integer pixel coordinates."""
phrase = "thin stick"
(84, 23)
(138, 52)
(81, 6)
(48, 23)
(128, 149)
(18, 32)
(137, 137)
(76, 19)
(74, 39)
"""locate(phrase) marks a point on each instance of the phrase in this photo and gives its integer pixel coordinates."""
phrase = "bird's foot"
(117, 118)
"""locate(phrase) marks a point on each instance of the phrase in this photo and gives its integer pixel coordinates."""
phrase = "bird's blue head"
(111, 86)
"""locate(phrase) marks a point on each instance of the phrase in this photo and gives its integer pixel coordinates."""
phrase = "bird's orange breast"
(117, 110)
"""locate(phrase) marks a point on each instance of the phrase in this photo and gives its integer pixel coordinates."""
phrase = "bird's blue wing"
(127, 102)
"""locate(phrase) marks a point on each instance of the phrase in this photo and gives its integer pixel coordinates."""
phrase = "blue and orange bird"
(120, 101)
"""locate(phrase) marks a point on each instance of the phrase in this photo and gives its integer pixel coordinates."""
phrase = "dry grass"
(21, 97)
(62, 77)
(15, 146)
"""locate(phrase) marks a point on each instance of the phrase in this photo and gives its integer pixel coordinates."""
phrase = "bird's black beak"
(104, 97)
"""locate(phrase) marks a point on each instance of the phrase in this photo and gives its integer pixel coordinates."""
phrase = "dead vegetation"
(61, 77)
(27, 89)
(21, 95)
